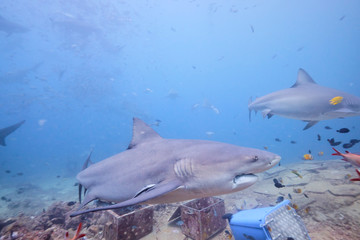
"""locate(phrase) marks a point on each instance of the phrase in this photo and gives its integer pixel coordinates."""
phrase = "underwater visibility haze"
(74, 74)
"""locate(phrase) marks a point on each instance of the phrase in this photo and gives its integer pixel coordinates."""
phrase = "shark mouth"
(237, 178)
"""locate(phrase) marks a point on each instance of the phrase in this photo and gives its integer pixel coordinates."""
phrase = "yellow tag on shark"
(336, 100)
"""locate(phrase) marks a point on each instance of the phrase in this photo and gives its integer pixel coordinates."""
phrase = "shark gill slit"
(184, 168)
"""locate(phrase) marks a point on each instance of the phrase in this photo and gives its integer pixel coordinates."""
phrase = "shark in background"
(157, 170)
(10, 28)
(307, 101)
(4, 132)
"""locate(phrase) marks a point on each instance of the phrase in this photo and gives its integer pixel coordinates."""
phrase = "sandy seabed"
(329, 204)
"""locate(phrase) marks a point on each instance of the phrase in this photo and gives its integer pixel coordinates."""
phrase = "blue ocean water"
(79, 71)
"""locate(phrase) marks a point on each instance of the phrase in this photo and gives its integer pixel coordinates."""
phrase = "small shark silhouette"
(307, 101)
(4, 132)
(10, 27)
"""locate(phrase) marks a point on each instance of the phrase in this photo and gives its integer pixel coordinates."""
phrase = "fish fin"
(87, 161)
(310, 124)
(6, 131)
(86, 164)
(270, 115)
(80, 190)
(88, 198)
(250, 101)
(157, 190)
(142, 133)
(2, 141)
(266, 112)
(337, 152)
(303, 78)
(355, 179)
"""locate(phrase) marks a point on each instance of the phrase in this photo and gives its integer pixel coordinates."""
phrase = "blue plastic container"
(280, 222)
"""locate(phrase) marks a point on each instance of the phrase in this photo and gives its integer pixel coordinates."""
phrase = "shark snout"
(275, 160)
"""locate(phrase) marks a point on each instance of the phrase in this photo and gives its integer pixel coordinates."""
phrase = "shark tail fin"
(6, 131)
(2, 141)
(249, 102)
(86, 164)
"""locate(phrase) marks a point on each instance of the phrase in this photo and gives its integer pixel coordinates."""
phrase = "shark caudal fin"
(4, 132)
(249, 102)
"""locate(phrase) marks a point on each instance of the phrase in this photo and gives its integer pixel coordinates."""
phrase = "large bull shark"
(4, 132)
(307, 101)
(158, 170)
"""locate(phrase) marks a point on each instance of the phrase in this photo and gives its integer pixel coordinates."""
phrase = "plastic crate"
(129, 223)
(202, 218)
(280, 222)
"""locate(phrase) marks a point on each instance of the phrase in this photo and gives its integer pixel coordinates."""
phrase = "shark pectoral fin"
(143, 196)
(266, 112)
(88, 198)
(310, 124)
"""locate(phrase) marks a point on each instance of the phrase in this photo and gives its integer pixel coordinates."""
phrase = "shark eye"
(254, 159)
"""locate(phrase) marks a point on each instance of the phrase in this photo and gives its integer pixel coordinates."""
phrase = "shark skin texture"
(307, 101)
(157, 170)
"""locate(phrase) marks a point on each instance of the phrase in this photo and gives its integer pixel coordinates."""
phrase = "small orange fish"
(308, 156)
(307, 210)
(295, 206)
(320, 153)
(348, 176)
(297, 190)
(336, 100)
(77, 235)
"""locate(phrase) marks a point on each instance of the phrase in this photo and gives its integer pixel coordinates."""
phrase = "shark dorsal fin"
(303, 78)
(142, 133)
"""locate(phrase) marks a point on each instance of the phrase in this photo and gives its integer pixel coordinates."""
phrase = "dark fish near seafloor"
(343, 130)
(347, 145)
(333, 143)
(278, 184)
(354, 141)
